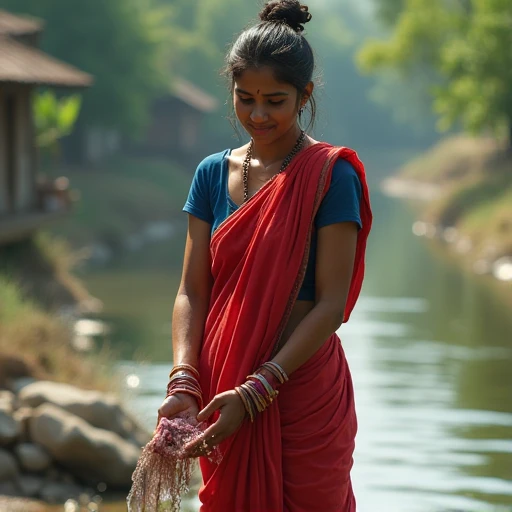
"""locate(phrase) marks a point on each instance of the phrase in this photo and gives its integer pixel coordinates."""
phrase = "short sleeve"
(341, 203)
(198, 201)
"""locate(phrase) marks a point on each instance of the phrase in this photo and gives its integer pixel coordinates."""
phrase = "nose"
(258, 114)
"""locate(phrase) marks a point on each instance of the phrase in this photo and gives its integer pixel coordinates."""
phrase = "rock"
(9, 488)
(7, 401)
(32, 457)
(98, 409)
(52, 474)
(10, 429)
(9, 469)
(31, 485)
(12, 367)
(55, 492)
(17, 385)
(22, 416)
(88, 452)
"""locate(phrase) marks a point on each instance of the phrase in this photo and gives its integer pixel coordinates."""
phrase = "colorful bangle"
(195, 389)
(190, 392)
(271, 365)
(252, 406)
(183, 376)
(257, 398)
(272, 393)
(246, 404)
(273, 372)
(269, 377)
(184, 366)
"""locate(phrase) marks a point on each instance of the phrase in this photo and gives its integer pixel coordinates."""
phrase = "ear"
(308, 91)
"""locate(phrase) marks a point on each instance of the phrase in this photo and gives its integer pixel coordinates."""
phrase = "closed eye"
(248, 101)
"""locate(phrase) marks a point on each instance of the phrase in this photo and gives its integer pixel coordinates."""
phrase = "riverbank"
(120, 197)
(462, 192)
(51, 383)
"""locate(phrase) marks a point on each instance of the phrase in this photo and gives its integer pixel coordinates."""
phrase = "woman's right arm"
(190, 310)
(192, 301)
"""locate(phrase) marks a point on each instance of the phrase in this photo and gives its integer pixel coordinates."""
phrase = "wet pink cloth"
(297, 455)
(163, 470)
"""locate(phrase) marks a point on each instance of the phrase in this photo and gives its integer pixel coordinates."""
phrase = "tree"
(127, 45)
(466, 43)
(388, 10)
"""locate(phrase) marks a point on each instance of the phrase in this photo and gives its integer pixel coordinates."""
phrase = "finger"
(199, 449)
(214, 431)
(205, 442)
(170, 407)
(215, 404)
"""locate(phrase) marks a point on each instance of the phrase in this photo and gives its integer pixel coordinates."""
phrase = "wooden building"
(25, 206)
(174, 129)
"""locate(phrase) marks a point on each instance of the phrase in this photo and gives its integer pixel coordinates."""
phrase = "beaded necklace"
(247, 162)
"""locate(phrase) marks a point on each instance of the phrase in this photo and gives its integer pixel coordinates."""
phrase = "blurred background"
(106, 108)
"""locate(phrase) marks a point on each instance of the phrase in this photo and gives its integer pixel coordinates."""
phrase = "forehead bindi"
(261, 82)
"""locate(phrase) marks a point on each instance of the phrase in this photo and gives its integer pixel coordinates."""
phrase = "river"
(430, 349)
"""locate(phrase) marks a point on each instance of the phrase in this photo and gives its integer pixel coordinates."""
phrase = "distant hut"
(174, 129)
(23, 67)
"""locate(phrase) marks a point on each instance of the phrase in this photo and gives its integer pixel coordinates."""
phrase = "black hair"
(277, 42)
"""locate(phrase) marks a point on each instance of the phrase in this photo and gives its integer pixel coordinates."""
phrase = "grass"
(122, 195)
(36, 343)
(42, 267)
(453, 158)
(475, 176)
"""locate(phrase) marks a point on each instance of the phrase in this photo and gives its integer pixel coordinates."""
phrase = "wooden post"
(25, 171)
(4, 199)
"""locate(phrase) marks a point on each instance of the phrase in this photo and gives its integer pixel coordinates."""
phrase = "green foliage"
(54, 118)
(126, 45)
(479, 67)
(467, 45)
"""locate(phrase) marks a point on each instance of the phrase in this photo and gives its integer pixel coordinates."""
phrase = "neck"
(267, 154)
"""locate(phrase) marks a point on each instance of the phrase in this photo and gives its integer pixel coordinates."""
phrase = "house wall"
(25, 190)
(173, 129)
(4, 201)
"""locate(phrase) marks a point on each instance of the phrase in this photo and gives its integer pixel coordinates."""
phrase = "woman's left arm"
(336, 248)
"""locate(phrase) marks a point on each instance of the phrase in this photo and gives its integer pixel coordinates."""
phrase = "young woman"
(274, 263)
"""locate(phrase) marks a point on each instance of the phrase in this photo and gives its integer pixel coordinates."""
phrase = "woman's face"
(266, 108)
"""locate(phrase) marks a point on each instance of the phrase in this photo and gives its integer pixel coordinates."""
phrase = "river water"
(430, 349)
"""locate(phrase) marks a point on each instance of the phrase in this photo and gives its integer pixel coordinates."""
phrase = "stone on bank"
(57, 442)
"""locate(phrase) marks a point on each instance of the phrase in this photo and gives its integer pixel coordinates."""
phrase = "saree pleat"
(259, 256)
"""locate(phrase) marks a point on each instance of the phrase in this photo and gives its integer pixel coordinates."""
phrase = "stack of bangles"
(260, 389)
(184, 379)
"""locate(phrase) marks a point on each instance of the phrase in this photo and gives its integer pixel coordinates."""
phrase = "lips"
(260, 129)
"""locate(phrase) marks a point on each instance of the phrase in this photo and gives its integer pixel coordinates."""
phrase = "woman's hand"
(232, 413)
(179, 404)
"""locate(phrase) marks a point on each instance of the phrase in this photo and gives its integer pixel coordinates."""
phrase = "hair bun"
(290, 12)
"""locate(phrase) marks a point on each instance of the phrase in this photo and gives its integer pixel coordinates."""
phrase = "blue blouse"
(209, 200)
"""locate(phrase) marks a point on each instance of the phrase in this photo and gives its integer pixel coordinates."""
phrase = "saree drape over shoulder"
(297, 455)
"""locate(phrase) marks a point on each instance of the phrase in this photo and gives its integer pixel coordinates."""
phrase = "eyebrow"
(278, 93)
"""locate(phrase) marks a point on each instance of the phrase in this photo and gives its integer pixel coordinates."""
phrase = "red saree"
(297, 455)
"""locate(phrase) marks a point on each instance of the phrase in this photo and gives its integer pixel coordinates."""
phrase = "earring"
(301, 110)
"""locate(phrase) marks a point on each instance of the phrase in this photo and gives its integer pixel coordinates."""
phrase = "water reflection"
(421, 445)
(430, 349)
